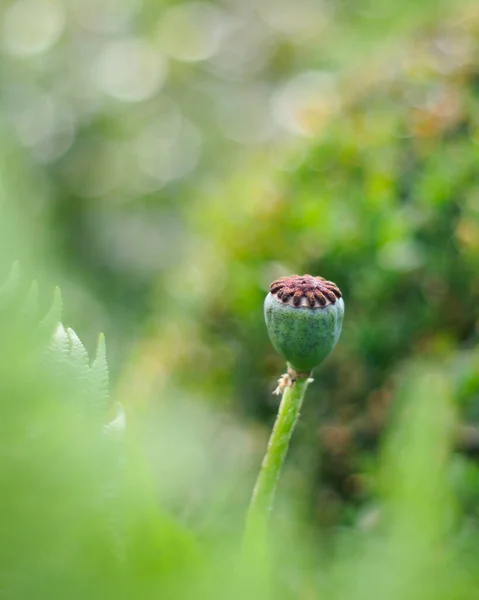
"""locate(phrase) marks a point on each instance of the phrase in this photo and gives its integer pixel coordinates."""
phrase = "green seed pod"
(304, 315)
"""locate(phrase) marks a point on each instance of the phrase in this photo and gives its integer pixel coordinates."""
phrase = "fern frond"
(60, 344)
(100, 376)
(86, 384)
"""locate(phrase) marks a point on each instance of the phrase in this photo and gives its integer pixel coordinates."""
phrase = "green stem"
(265, 488)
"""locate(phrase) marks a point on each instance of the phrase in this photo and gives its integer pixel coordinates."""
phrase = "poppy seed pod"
(304, 315)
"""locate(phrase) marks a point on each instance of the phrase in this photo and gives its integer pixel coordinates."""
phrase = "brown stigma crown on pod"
(305, 290)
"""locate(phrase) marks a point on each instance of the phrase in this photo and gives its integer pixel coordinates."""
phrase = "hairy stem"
(265, 488)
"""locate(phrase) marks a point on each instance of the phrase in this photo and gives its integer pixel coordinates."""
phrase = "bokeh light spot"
(191, 31)
(107, 16)
(304, 104)
(32, 26)
(130, 70)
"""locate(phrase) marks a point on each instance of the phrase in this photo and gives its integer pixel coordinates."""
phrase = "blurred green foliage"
(163, 162)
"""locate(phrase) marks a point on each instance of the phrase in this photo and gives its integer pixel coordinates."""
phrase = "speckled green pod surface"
(304, 316)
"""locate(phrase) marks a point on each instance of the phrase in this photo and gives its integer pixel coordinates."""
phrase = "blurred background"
(164, 161)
